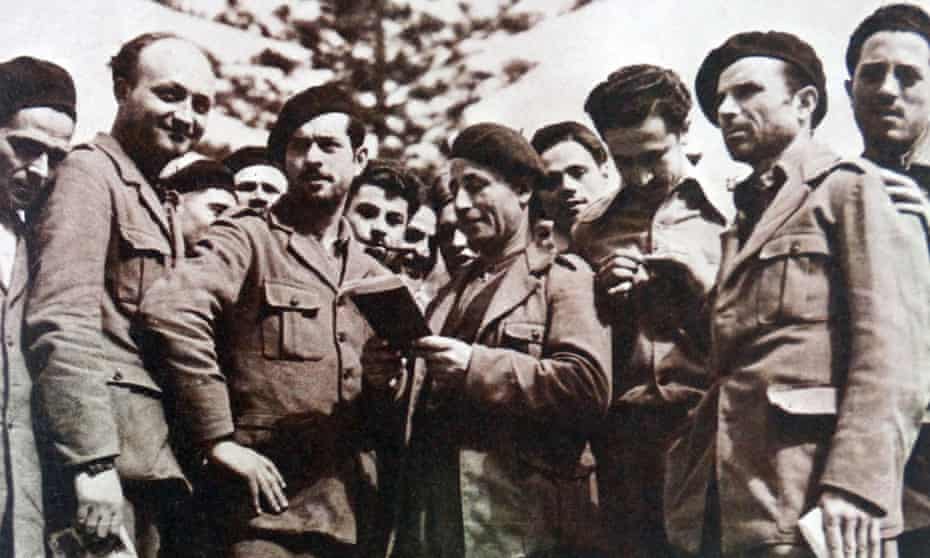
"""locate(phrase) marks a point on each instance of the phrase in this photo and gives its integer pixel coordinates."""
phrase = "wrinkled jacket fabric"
(259, 344)
(102, 239)
(817, 325)
(513, 481)
(21, 482)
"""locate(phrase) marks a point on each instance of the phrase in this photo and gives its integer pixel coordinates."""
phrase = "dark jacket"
(102, 239)
(259, 345)
(817, 325)
(538, 379)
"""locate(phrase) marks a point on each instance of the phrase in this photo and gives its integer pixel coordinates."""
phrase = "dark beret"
(894, 17)
(29, 82)
(249, 156)
(772, 44)
(500, 148)
(304, 107)
(200, 175)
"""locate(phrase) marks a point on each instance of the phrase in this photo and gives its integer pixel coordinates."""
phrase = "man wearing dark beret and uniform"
(259, 180)
(814, 349)
(266, 355)
(37, 115)
(507, 391)
(888, 59)
(198, 194)
(102, 238)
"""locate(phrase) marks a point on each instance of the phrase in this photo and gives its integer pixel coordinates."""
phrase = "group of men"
(666, 368)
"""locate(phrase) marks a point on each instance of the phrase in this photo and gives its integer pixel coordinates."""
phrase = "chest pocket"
(794, 280)
(294, 323)
(142, 258)
(525, 337)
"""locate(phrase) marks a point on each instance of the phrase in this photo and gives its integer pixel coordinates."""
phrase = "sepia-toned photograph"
(465, 279)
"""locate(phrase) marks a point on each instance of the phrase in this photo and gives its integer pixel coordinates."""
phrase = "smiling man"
(667, 213)
(37, 115)
(102, 238)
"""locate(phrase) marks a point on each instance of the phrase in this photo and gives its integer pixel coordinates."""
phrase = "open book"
(389, 307)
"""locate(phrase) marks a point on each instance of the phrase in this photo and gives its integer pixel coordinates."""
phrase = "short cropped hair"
(390, 177)
(632, 93)
(553, 134)
(894, 17)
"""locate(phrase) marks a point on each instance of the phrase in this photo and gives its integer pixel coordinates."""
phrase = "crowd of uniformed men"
(667, 368)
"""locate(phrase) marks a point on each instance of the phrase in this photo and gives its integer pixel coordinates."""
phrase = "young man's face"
(166, 109)
(580, 181)
(890, 90)
(488, 208)
(378, 218)
(647, 155)
(419, 238)
(259, 186)
(321, 162)
(198, 210)
(32, 144)
(758, 114)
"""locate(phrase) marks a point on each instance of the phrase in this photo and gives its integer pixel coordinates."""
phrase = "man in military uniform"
(644, 242)
(507, 391)
(265, 354)
(888, 59)
(102, 238)
(817, 396)
(37, 114)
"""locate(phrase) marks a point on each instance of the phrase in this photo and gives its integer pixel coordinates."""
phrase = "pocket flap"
(144, 241)
(811, 400)
(525, 331)
(280, 295)
(793, 245)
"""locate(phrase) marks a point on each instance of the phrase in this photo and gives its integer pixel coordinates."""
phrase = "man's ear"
(525, 193)
(121, 89)
(807, 98)
(849, 90)
(361, 159)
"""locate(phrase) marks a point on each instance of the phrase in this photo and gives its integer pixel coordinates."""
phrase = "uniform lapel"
(20, 275)
(519, 282)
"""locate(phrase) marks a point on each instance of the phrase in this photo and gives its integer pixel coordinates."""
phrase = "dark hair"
(125, 64)
(439, 194)
(390, 177)
(553, 134)
(894, 17)
(632, 93)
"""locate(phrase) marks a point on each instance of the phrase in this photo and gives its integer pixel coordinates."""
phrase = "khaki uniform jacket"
(538, 379)
(814, 340)
(259, 345)
(21, 482)
(102, 239)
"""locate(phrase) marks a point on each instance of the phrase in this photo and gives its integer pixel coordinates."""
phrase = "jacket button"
(347, 373)
(340, 300)
(118, 377)
(341, 337)
(294, 301)
(535, 336)
(795, 247)
(9, 341)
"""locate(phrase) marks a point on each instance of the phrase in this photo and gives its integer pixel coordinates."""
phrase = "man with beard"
(508, 389)
(102, 238)
(266, 355)
(817, 321)
(259, 181)
(381, 201)
(888, 59)
(644, 241)
(37, 114)
(576, 163)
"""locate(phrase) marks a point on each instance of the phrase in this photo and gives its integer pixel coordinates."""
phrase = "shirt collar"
(128, 170)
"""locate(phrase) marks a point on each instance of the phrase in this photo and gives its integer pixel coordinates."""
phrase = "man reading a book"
(507, 392)
(264, 352)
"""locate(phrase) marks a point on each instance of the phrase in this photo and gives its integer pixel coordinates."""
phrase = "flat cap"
(30, 82)
(304, 107)
(500, 148)
(771, 44)
(200, 175)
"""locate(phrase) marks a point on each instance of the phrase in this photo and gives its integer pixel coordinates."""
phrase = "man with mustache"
(644, 241)
(259, 181)
(817, 327)
(381, 201)
(888, 59)
(509, 388)
(102, 238)
(37, 115)
(267, 355)
(576, 164)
